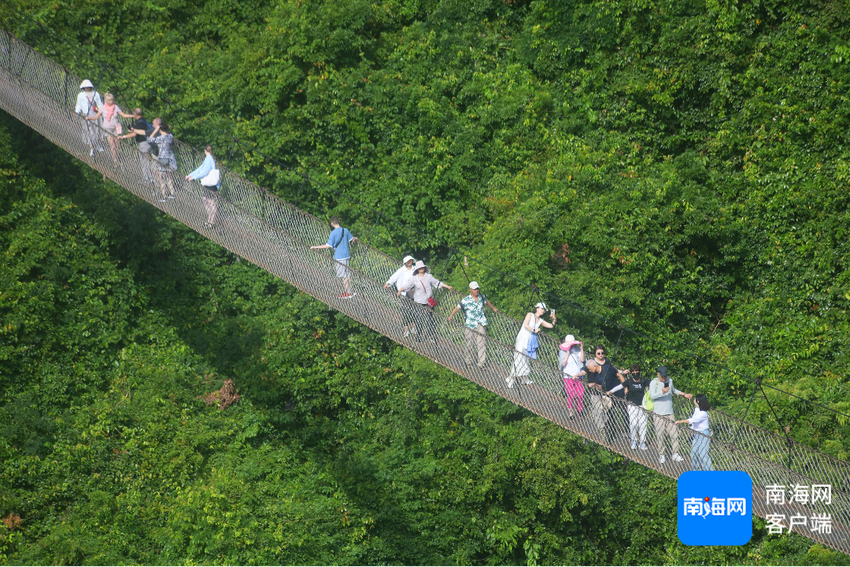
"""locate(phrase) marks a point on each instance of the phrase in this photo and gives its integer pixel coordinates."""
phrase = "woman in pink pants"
(571, 359)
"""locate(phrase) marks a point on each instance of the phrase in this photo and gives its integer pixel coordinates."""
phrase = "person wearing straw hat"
(530, 328)
(399, 278)
(421, 285)
(475, 326)
(339, 239)
(89, 106)
(571, 361)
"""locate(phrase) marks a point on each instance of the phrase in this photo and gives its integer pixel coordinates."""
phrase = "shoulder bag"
(212, 178)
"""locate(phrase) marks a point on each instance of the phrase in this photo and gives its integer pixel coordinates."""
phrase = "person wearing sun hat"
(527, 333)
(399, 278)
(90, 106)
(475, 327)
(571, 361)
(421, 284)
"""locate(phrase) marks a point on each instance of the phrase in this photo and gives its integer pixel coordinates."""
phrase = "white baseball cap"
(473, 285)
(86, 84)
(408, 259)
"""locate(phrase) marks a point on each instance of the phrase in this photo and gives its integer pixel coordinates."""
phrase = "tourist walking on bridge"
(338, 240)
(89, 105)
(210, 176)
(604, 379)
(700, 459)
(571, 361)
(112, 125)
(166, 163)
(475, 326)
(421, 285)
(661, 390)
(400, 278)
(139, 131)
(527, 334)
(636, 388)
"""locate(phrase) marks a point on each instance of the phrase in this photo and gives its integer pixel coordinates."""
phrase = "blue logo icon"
(715, 508)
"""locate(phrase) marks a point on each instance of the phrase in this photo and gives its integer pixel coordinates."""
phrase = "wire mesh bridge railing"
(276, 236)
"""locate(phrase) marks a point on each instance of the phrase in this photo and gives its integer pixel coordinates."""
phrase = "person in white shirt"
(90, 106)
(399, 278)
(700, 458)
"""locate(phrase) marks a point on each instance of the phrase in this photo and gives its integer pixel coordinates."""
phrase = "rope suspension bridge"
(276, 236)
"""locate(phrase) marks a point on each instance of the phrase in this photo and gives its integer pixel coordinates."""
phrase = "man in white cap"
(89, 106)
(399, 278)
(475, 331)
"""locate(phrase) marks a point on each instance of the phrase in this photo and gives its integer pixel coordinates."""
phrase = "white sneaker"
(677, 458)
(643, 447)
(527, 382)
(511, 382)
(406, 334)
(634, 445)
(91, 153)
(661, 459)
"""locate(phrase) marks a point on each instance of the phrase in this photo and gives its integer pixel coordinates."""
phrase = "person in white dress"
(530, 326)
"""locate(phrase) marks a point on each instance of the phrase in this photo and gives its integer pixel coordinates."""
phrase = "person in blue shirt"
(210, 177)
(339, 240)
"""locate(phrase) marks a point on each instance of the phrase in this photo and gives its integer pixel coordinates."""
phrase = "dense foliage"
(692, 154)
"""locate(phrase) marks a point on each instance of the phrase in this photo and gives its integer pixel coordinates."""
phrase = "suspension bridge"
(276, 236)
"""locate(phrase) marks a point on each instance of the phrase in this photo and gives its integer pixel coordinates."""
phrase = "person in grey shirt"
(661, 391)
(420, 284)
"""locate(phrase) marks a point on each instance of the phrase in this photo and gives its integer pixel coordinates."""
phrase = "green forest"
(693, 156)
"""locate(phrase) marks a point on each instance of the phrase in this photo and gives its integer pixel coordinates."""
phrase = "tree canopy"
(691, 154)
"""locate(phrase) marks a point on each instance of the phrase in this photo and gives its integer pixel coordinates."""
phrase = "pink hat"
(569, 341)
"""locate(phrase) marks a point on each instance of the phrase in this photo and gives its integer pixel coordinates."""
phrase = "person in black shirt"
(636, 386)
(604, 378)
(139, 132)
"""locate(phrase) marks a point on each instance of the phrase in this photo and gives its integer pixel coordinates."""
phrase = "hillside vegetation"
(692, 155)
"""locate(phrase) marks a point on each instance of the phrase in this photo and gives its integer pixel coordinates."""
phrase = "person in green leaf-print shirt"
(475, 331)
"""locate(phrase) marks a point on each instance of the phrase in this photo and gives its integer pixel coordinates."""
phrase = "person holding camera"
(661, 391)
